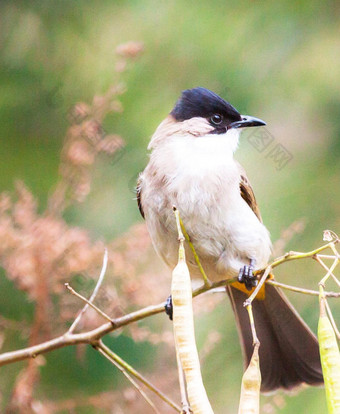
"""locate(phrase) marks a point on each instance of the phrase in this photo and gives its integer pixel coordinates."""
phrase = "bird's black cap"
(200, 102)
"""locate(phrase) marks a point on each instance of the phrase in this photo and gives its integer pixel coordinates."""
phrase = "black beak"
(246, 121)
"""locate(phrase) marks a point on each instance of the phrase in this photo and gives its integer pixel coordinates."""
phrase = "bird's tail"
(289, 351)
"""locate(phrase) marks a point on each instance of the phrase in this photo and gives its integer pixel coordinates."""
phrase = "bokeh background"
(279, 61)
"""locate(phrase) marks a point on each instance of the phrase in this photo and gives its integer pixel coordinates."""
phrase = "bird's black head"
(200, 102)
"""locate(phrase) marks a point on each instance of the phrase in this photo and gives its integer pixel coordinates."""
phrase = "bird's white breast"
(199, 176)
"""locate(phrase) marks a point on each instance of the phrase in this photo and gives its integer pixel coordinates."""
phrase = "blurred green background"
(279, 61)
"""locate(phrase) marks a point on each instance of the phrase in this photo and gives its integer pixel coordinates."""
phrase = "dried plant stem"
(92, 336)
(184, 331)
(252, 325)
(319, 260)
(129, 377)
(93, 306)
(129, 370)
(299, 255)
(329, 273)
(182, 387)
(300, 290)
(331, 318)
(251, 385)
(258, 287)
(94, 294)
(251, 380)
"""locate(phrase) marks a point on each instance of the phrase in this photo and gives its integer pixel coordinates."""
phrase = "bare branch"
(92, 337)
(301, 290)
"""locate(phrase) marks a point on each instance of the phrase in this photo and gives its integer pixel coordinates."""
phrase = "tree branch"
(92, 337)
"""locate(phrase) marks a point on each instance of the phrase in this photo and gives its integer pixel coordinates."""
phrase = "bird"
(192, 167)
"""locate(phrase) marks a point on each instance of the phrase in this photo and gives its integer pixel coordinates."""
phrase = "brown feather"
(289, 352)
(247, 193)
(139, 197)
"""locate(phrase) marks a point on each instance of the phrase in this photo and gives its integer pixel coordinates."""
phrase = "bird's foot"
(246, 275)
(168, 307)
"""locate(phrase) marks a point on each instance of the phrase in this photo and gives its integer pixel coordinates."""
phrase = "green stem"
(297, 255)
(112, 356)
(197, 260)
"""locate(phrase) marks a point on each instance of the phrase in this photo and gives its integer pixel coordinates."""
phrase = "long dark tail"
(289, 352)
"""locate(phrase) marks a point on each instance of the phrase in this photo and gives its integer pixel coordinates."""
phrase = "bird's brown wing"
(139, 196)
(247, 193)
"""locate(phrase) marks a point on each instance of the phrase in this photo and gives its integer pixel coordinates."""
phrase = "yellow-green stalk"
(330, 358)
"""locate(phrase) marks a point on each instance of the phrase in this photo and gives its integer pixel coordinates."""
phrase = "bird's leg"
(168, 307)
(246, 275)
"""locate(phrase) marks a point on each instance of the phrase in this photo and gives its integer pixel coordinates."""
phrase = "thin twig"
(256, 341)
(321, 263)
(334, 249)
(110, 355)
(92, 305)
(301, 290)
(331, 318)
(329, 272)
(298, 255)
(129, 377)
(178, 224)
(258, 287)
(94, 294)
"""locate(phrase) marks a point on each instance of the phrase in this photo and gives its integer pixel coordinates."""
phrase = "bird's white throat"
(196, 156)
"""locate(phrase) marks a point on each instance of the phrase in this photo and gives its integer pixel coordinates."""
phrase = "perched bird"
(192, 167)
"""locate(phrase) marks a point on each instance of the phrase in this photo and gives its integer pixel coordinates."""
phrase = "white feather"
(197, 174)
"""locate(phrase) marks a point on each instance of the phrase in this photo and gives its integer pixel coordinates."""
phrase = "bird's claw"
(247, 277)
(168, 307)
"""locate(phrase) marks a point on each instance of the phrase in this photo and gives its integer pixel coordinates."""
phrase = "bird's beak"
(246, 121)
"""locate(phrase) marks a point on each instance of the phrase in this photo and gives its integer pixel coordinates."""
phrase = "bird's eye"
(216, 119)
